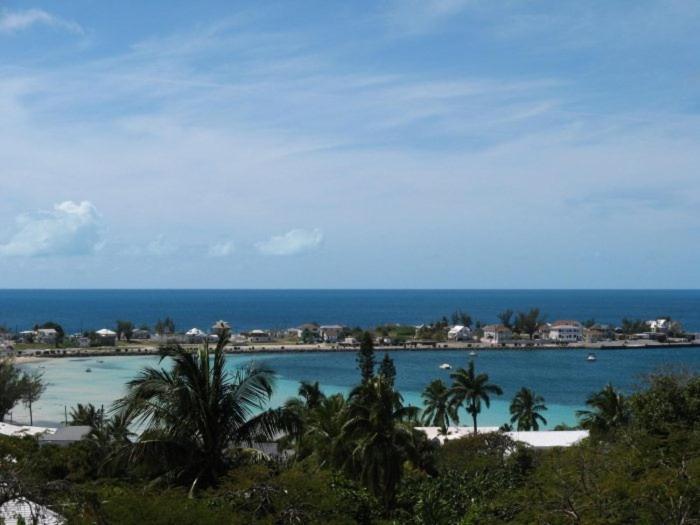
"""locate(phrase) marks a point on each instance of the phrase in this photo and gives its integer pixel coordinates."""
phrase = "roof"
(105, 332)
(332, 327)
(537, 439)
(29, 512)
(566, 322)
(8, 429)
(457, 328)
(47, 331)
(194, 331)
(495, 328)
(67, 434)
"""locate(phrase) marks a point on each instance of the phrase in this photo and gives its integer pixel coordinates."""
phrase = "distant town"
(514, 330)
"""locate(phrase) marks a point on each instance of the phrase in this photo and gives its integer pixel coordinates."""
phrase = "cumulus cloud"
(13, 21)
(293, 242)
(221, 249)
(71, 228)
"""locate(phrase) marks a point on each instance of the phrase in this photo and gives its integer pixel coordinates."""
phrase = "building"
(195, 335)
(106, 337)
(46, 336)
(221, 327)
(599, 332)
(298, 331)
(349, 341)
(331, 333)
(496, 334)
(258, 336)
(21, 510)
(140, 334)
(459, 333)
(566, 331)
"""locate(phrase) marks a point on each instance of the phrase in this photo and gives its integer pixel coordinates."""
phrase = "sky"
(364, 144)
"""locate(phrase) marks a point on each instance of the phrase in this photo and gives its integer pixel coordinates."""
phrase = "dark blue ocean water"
(247, 309)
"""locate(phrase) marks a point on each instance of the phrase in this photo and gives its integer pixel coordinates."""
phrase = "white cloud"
(69, 229)
(292, 242)
(161, 246)
(13, 21)
(221, 249)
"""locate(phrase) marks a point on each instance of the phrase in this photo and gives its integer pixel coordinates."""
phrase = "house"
(459, 333)
(106, 337)
(220, 327)
(46, 336)
(140, 334)
(566, 331)
(349, 341)
(79, 340)
(195, 335)
(26, 336)
(331, 333)
(599, 332)
(496, 334)
(542, 331)
(298, 331)
(258, 336)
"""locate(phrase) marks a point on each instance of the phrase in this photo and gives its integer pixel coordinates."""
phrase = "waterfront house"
(140, 334)
(496, 334)
(298, 331)
(258, 336)
(599, 332)
(195, 335)
(331, 333)
(106, 337)
(459, 333)
(566, 331)
(349, 341)
(46, 336)
(26, 336)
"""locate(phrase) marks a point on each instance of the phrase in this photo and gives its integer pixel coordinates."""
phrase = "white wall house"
(107, 337)
(459, 333)
(195, 335)
(496, 334)
(258, 336)
(330, 333)
(566, 331)
(46, 336)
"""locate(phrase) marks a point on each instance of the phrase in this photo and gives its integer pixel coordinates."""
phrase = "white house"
(298, 331)
(258, 336)
(331, 333)
(459, 333)
(140, 334)
(220, 327)
(195, 335)
(106, 337)
(566, 331)
(46, 336)
(496, 334)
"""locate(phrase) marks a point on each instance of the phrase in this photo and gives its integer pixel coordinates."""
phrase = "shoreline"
(42, 355)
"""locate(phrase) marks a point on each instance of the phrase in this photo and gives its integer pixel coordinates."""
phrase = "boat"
(88, 369)
(591, 358)
(472, 353)
(445, 366)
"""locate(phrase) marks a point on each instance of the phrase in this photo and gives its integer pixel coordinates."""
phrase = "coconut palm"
(382, 438)
(608, 410)
(87, 415)
(470, 389)
(323, 432)
(196, 415)
(525, 410)
(311, 394)
(438, 412)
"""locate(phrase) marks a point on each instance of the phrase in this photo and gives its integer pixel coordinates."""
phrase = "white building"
(330, 333)
(459, 333)
(536, 439)
(195, 335)
(106, 337)
(46, 336)
(258, 336)
(566, 331)
(496, 334)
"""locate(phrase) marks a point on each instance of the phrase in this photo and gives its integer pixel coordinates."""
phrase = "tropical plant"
(608, 410)
(438, 411)
(125, 329)
(311, 394)
(387, 369)
(528, 322)
(525, 410)
(87, 415)
(197, 415)
(12, 387)
(469, 389)
(506, 318)
(32, 389)
(365, 356)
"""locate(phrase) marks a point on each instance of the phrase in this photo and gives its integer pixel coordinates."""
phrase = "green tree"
(387, 368)
(166, 326)
(60, 333)
(469, 389)
(438, 411)
(365, 357)
(125, 329)
(86, 415)
(32, 389)
(311, 394)
(525, 410)
(608, 411)
(196, 415)
(12, 387)
(506, 318)
(528, 322)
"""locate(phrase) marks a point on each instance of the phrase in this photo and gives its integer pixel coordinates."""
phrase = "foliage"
(15, 386)
(528, 322)
(608, 411)
(525, 410)
(365, 356)
(506, 318)
(33, 388)
(461, 318)
(470, 389)
(125, 330)
(438, 411)
(60, 333)
(634, 326)
(165, 326)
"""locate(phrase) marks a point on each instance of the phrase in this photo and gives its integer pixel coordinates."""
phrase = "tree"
(311, 393)
(460, 317)
(33, 388)
(166, 326)
(381, 436)
(197, 416)
(86, 415)
(365, 357)
(470, 389)
(634, 326)
(506, 318)
(608, 411)
(589, 323)
(529, 322)
(125, 329)
(525, 410)
(387, 369)
(438, 411)
(12, 387)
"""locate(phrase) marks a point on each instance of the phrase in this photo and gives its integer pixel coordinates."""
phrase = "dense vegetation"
(359, 458)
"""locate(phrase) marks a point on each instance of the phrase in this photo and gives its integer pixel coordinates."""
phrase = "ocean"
(248, 309)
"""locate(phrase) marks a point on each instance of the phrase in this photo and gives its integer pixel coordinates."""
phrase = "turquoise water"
(563, 377)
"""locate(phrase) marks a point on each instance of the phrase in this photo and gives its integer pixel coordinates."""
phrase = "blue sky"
(419, 144)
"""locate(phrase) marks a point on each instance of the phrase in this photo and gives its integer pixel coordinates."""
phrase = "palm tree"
(196, 415)
(472, 388)
(311, 393)
(438, 412)
(86, 415)
(608, 410)
(33, 388)
(382, 438)
(323, 432)
(525, 410)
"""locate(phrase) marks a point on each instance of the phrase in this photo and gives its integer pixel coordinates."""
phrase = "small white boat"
(591, 358)
(445, 366)
(472, 353)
